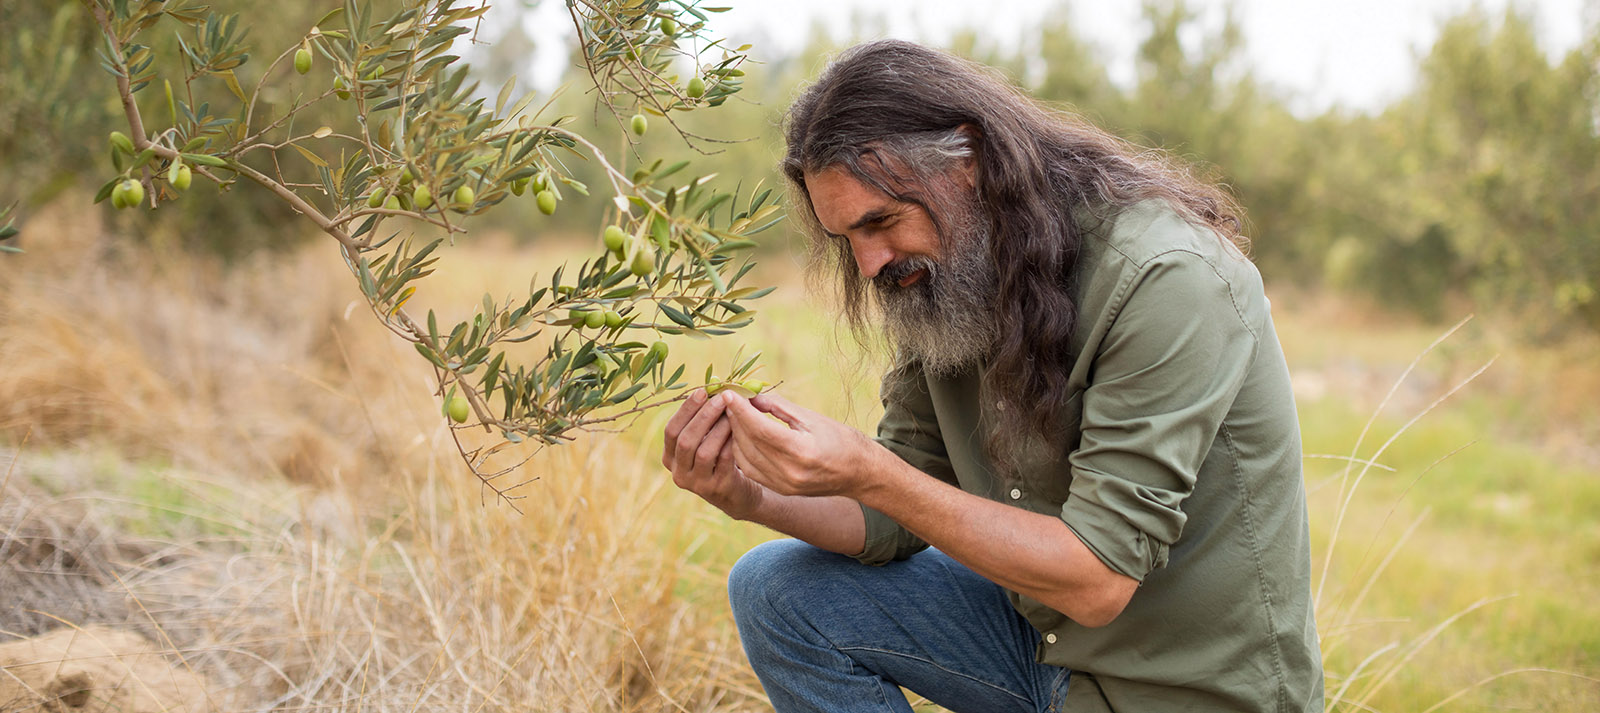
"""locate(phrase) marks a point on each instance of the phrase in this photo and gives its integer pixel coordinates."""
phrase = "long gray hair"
(894, 104)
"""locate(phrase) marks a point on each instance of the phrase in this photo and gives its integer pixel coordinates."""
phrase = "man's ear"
(974, 141)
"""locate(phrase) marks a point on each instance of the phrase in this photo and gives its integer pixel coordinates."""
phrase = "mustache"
(888, 279)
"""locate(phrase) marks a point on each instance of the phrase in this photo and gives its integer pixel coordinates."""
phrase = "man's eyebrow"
(875, 214)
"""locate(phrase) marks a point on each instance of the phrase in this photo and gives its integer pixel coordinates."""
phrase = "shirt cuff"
(886, 540)
(1126, 549)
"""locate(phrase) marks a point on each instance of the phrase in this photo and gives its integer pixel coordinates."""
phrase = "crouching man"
(1089, 420)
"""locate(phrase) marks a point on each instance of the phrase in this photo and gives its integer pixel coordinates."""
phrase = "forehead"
(840, 199)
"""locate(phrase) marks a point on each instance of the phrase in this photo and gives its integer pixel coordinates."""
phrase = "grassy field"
(250, 471)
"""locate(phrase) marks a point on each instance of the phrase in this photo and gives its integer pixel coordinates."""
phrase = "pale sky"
(1358, 54)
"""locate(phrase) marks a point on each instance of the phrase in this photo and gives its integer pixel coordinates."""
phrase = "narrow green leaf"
(627, 393)
(309, 156)
(677, 316)
(205, 159)
(428, 354)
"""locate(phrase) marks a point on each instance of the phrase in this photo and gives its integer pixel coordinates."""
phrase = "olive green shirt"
(1180, 469)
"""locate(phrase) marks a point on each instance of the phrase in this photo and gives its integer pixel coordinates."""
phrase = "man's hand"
(698, 452)
(813, 456)
(1030, 553)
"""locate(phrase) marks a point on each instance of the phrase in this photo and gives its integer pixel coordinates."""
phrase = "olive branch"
(424, 150)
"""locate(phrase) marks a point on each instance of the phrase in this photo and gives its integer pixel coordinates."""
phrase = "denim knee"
(767, 569)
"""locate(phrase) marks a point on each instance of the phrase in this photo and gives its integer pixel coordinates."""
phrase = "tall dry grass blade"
(1349, 460)
(1355, 674)
(1383, 566)
(1490, 679)
(644, 659)
(1350, 610)
(1346, 616)
(16, 455)
(1420, 643)
(1348, 495)
(1338, 520)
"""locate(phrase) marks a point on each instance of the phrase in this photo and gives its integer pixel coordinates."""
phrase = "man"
(1089, 420)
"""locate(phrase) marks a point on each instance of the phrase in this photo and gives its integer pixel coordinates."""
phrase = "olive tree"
(415, 148)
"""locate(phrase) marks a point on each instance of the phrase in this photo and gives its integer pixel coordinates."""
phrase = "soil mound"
(94, 669)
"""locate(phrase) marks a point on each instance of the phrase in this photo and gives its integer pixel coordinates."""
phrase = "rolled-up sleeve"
(909, 429)
(1165, 376)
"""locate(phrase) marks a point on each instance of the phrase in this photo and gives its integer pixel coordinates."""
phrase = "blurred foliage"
(58, 109)
(1478, 188)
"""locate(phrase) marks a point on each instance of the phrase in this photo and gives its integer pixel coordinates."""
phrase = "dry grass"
(384, 580)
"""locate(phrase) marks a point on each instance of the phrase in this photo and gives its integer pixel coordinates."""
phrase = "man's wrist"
(751, 512)
(878, 478)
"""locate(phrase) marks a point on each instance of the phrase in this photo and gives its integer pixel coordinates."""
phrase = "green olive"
(547, 202)
(185, 177)
(377, 198)
(302, 60)
(122, 142)
(132, 193)
(519, 185)
(644, 262)
(740, 389)
(669, 26)
(463, 199)
(697, 87)
(658, 350)
(393, 203)
(614, 238)
(422, 198)
(340, 89)
(594, 320)
(458, 408)
(613, 319)
(639, 124)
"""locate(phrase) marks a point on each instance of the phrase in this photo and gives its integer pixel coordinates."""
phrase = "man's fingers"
(695, 431)
(744, 459)
(753, 425)
(712, 446)
(686, 413)
(788, 411)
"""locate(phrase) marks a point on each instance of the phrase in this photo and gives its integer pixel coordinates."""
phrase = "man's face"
(938, 306)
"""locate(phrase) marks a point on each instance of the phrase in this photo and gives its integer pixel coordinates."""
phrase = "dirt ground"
(94, 669)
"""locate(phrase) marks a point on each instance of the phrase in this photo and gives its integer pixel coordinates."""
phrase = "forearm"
(831, 523)
(1033, 554)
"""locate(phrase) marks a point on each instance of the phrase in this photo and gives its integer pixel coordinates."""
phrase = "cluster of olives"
(420, 196)
(130, 192)
(543, 192)
(617, 242)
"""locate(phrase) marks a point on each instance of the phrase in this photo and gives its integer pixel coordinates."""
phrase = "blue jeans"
(826, 633)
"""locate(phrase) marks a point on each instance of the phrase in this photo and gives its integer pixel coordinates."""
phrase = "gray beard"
(946, 319)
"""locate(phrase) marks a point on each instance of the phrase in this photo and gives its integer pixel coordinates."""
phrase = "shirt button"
(1016, 494)
(1050, 638)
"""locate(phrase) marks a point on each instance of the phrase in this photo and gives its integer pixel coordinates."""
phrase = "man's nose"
(871, 256)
